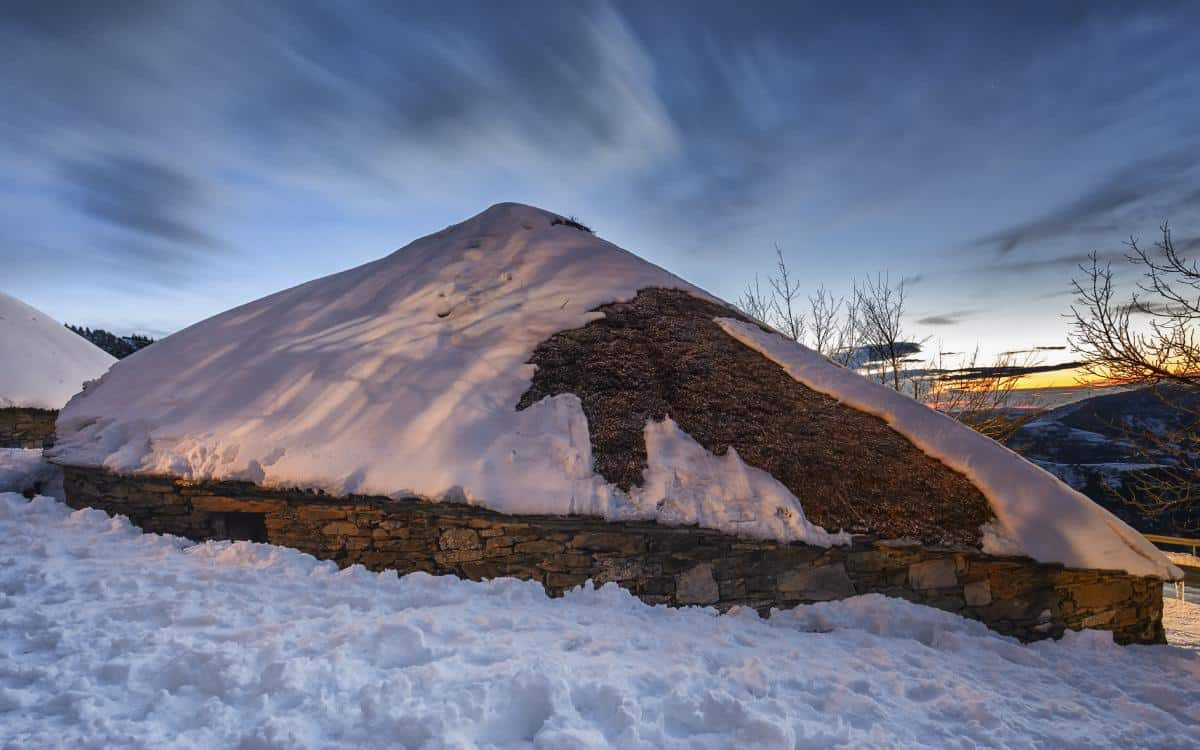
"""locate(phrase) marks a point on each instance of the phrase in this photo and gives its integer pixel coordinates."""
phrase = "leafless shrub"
(981, 396)
(1148, 337)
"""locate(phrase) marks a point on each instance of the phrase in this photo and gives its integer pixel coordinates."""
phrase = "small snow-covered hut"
(513, 396)
(42, 364)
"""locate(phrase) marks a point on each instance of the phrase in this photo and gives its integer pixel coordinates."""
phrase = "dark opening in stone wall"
(245, 527)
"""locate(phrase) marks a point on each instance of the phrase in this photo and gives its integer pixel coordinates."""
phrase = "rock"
(618, 569)
(339, 528)
(816, 584)
(696, 585)
(605, 542)
(978, 594)
(1097, 620)
(454, 557)
(538, 548)
(1101, 595)
(459, 539)
(933, 574)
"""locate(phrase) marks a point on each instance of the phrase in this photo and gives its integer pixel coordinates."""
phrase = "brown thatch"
(662, 354)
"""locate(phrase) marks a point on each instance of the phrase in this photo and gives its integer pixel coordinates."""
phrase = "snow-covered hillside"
(42, 364)
(112, 638)
(1109, 445)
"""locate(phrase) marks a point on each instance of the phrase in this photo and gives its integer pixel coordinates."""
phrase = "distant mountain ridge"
(1100, 445)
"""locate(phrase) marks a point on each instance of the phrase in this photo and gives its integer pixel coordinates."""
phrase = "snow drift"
(113, 638)
(42, 363)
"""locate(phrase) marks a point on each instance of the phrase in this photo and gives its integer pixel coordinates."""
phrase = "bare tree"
(1166, 349)
(1148, 337)
(786, 299)
(980, 396)
(756, 303)
(831, 325)
(847, 334)
(865, 331)
(880, 306)
(825, 319)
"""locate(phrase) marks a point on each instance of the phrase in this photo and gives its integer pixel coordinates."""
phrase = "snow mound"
(25, 470)
(688, 485)
(42, 363)
(1042, 516)
(113, 638)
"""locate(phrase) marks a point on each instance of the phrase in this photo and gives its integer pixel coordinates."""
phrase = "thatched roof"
(663, 355)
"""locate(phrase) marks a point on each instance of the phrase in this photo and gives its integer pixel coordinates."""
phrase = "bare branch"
(1159, 348)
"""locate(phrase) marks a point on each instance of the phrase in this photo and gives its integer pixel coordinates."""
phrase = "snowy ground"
(113, 638)
(23, 470)
(1183, 623)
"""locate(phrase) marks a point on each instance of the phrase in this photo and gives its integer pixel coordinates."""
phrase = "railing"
(1177, 541)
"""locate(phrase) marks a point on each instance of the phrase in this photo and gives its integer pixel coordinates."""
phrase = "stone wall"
(27, 428)
(659, 564)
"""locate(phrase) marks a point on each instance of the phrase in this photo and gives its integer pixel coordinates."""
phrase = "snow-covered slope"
(112, 638)
(42, 364)
(1036, 513)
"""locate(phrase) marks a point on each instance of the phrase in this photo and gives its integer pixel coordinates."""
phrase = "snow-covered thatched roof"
(404, 376)
(42, 363)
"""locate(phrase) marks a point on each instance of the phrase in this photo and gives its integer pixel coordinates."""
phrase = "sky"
(162, 162)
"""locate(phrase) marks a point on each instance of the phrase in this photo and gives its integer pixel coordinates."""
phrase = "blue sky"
(162, 162)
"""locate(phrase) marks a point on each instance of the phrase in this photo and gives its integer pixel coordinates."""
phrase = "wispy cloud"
(148, 136)
(949, 318)
(139, 196)
(1130, 185)
(1033, 350)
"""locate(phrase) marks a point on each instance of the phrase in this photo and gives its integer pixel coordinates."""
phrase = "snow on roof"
(1036, 513)
(402, 376)
(42, 363)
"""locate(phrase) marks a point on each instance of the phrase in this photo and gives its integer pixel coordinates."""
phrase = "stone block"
(819, 584)
(459, 539)
(601, 541)
(320, 513)
(696, 585)
(456, 556)
(940, 573)
(1097, 620)
(567, 562)
(537, 548)
(618, 569)
(1101, 595)
(213, 504)
(339, 528)
(977, 594)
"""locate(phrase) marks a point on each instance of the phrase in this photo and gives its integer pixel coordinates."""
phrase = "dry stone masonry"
(26, 428)
(659, 564)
